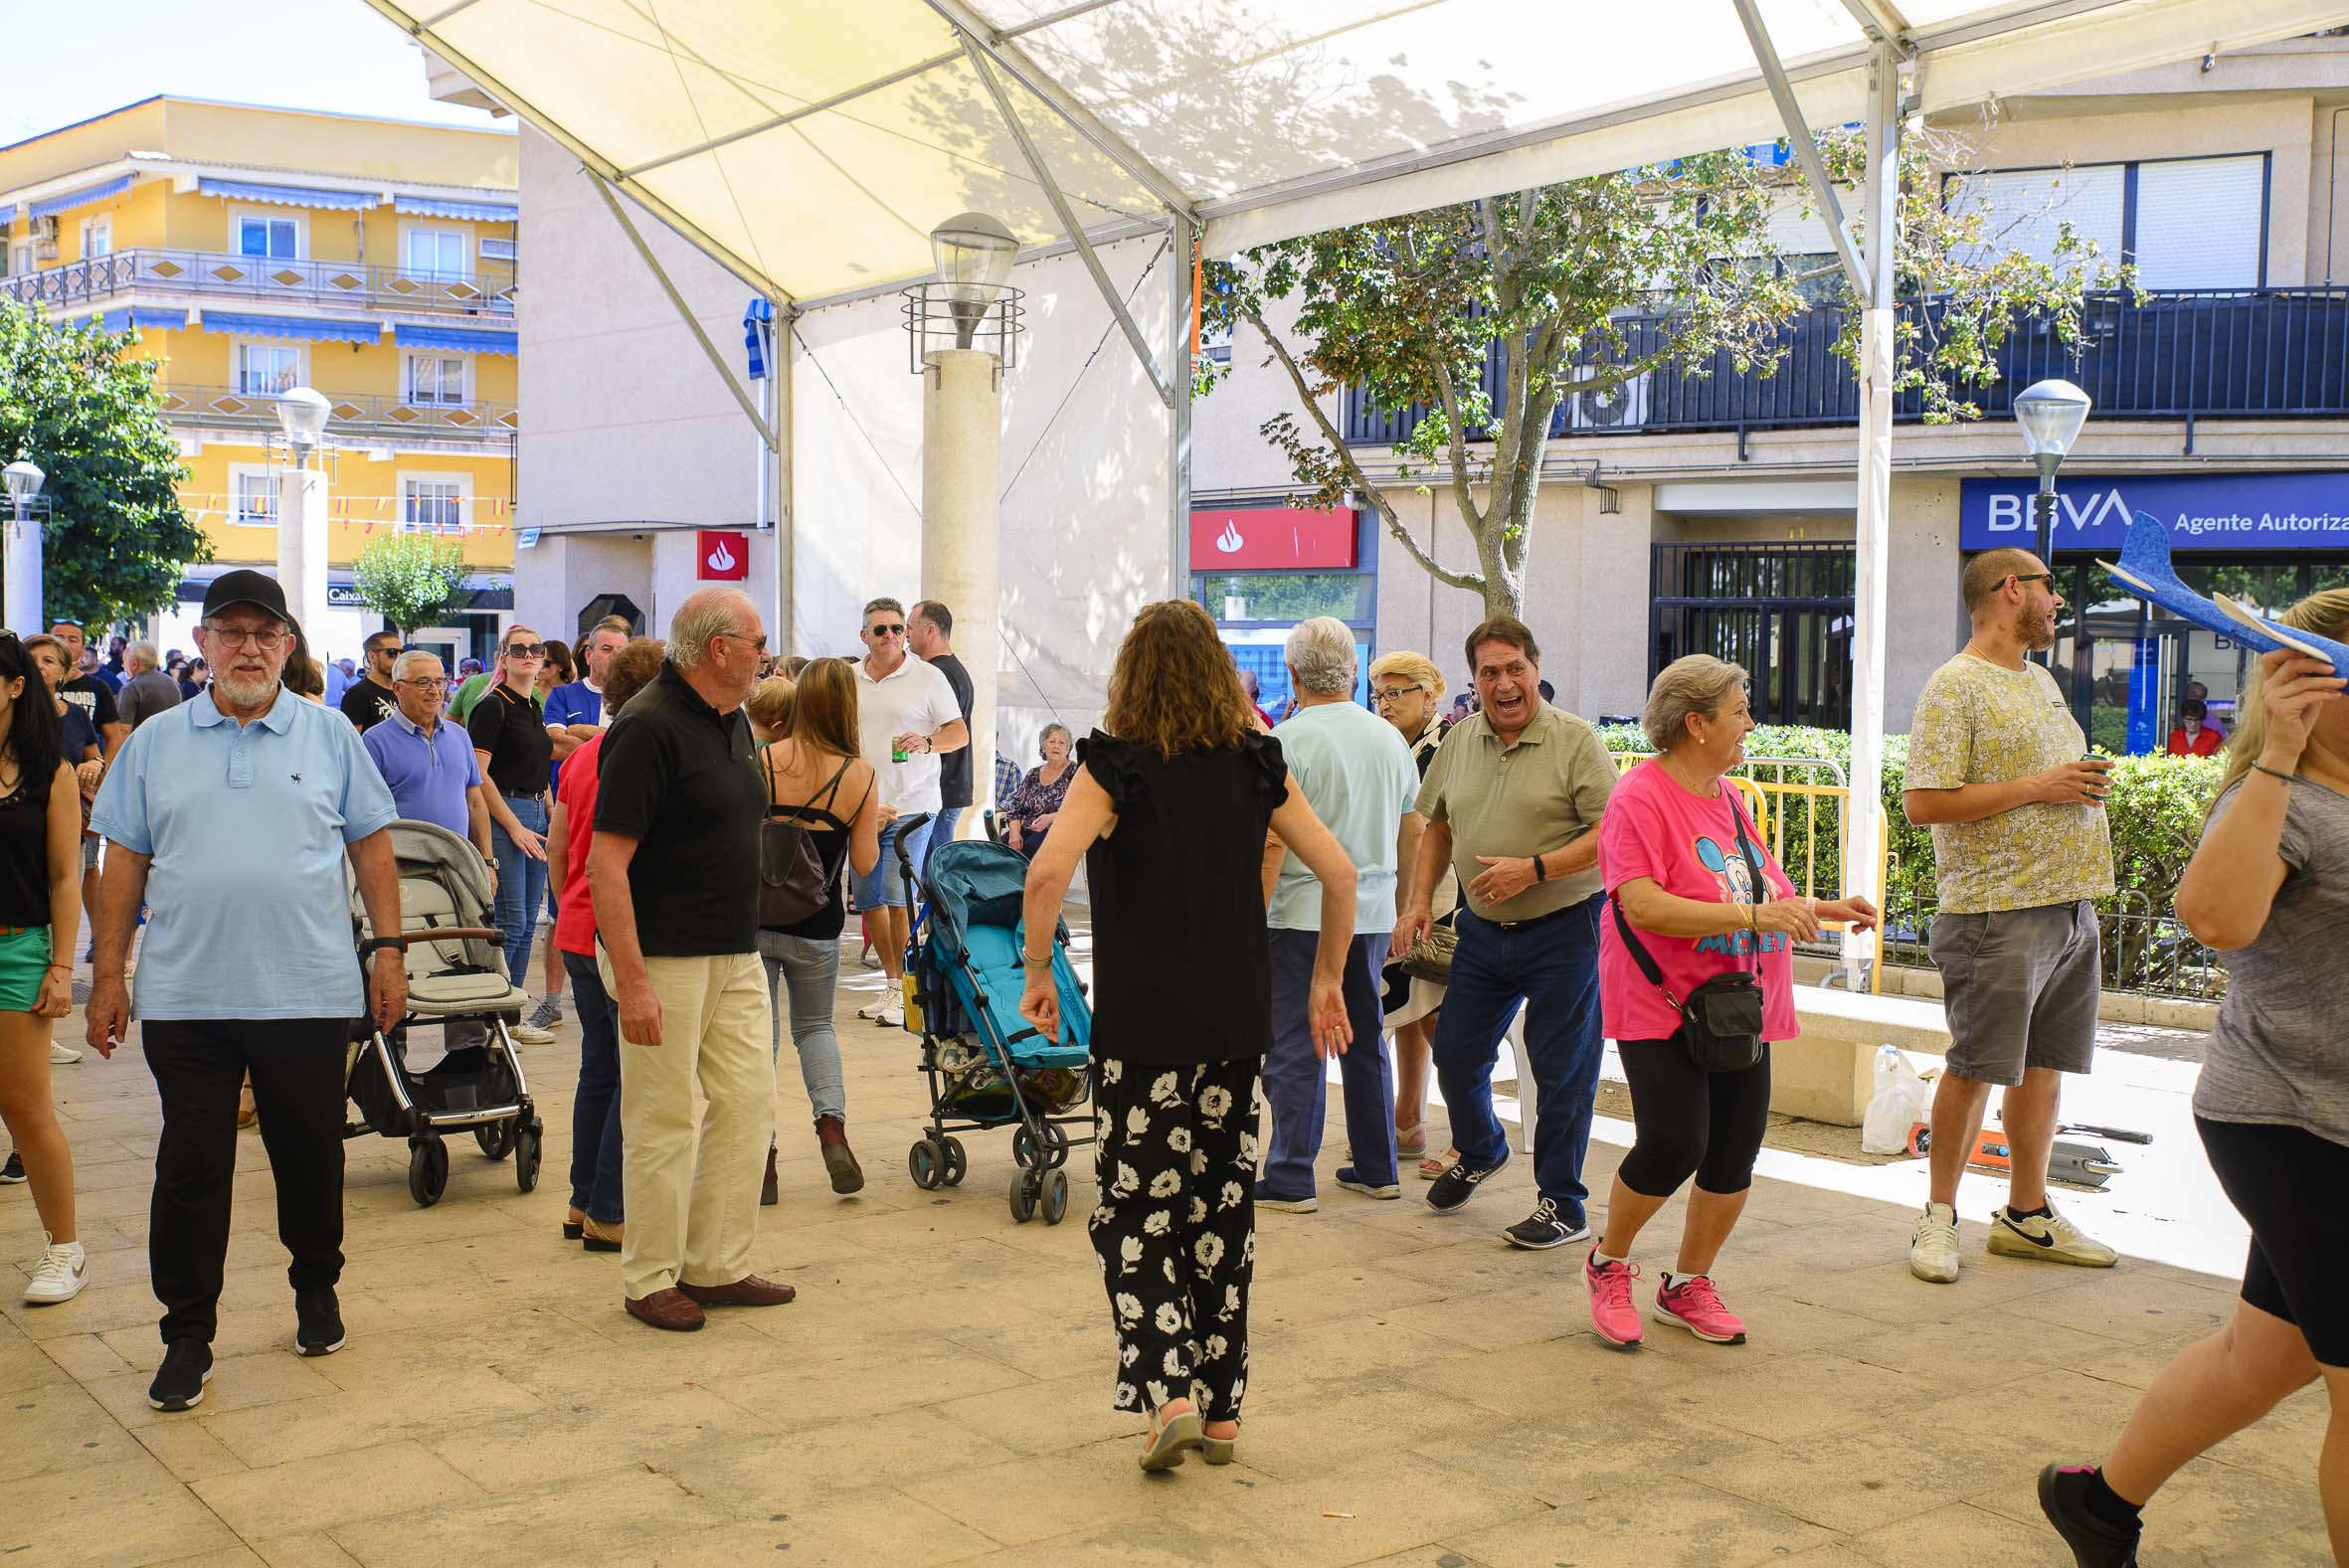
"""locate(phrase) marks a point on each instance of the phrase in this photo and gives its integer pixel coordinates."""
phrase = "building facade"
(256, 250)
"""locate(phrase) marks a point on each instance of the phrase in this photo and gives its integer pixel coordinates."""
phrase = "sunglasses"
(526, 650)
(886, 630)
(2049, 578)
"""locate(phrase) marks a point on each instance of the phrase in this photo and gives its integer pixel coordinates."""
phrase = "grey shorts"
(2021, 986)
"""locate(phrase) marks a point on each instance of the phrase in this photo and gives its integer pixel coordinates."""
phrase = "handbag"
(1720, 1021)
(1430, 958)
(791, 880)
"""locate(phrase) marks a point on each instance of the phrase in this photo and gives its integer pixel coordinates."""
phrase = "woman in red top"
(1678, 853)
(597, 1212)
(2194, 735)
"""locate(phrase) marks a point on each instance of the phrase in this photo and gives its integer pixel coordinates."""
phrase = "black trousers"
(297, 1086)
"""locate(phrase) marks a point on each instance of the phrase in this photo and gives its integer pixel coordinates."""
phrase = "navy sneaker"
(179, 1381)
(2063, 1497)
(1350, 1179)
(12, 1174)
(1542, 1229)
(1271, 1200)
(318, 1321)
(1456, 1186)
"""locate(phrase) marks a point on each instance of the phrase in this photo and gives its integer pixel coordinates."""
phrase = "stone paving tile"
(1646, 1522)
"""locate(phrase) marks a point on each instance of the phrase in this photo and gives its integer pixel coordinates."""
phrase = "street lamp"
(974, 253)
(20, 563)
(302, 510)
(301, 414)
(2051, 414)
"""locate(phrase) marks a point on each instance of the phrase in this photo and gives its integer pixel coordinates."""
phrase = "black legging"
(1690, 1121)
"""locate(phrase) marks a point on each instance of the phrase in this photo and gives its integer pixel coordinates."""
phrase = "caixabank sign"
(2205, 511)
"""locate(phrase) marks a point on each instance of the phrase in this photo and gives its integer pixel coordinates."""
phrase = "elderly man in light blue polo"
(231, 817)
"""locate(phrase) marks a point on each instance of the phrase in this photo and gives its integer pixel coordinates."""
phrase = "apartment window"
(2026, 210)
(278, 239)
(265, 370)
(2198, 222)
(435, 379)
(254, 497)
(436, 253)
(435, 505)
(98, 237)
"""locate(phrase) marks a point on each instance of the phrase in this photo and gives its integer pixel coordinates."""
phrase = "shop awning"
(145, 318)
(49, 206)
(456, 340)
(303, 329)
(474, 212)
(290, 195)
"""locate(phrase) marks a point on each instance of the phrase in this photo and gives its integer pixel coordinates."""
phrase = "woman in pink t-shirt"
(1678, 853)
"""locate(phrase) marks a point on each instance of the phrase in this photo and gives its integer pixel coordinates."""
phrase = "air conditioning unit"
(497, 250)
(1621, 407)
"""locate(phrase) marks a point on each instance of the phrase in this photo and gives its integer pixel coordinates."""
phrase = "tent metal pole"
(1069, 219)
(1806, 149)
(780, 631)
(1882, 21)
(1182, 236)
(684, 313)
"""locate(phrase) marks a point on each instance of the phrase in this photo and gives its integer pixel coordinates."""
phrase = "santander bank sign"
(1274, 539)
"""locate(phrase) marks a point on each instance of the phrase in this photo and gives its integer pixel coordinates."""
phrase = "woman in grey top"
(2270, 887)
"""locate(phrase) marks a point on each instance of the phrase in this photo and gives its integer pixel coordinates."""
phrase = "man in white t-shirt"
(906, 714)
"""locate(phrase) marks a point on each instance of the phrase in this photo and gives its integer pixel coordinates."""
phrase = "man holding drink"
(1998, 768)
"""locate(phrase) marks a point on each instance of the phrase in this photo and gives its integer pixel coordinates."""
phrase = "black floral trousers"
(1177, 1226)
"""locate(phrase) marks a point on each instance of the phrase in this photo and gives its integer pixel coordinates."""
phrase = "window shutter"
(2198, 223)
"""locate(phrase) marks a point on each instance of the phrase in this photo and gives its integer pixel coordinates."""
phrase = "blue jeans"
(885, 884)
(1295, 1082)
(521, 885)
(595, 1105)
(1552, 969)
(811, 971)
(942, 831)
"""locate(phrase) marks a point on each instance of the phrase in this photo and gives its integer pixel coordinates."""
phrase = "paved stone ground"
(1419, 1393)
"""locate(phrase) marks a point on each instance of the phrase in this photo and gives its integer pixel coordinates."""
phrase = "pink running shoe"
(1696, 1305)
(1611, 1312)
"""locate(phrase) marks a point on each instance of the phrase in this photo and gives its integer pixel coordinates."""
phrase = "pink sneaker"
(1611, 1311)
(1696, 1305)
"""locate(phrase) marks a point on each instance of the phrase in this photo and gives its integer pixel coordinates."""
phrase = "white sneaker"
(524, 1034)
(891, 1016)
(876, 1010)
(1933, 1245)
(2048, 1238)
(63, 1055)
(61, 1273)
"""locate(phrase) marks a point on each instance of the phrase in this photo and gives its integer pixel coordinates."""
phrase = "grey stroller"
(456, 978)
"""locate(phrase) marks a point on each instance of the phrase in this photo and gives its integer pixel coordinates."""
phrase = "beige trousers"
(692, 1214)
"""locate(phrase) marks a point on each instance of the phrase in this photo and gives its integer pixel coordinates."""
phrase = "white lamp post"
(2051, 414)
(974, 253)
(302, 510)
(21, 562)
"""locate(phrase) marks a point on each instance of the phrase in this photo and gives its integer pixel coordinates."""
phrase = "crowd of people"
(1264, 898)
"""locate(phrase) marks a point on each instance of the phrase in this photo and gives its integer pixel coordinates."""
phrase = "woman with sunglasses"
(510, 740)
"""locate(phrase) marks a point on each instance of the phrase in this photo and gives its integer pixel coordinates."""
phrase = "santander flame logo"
(1230, 540)
(721, 558)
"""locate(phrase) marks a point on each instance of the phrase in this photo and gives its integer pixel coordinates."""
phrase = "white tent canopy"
(812, 145)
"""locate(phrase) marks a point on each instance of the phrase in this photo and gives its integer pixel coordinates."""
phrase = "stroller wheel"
(926, 1164)
(1024, 1153)
(1023, 1195)
(958, 1162)
(1055, 1196)
(428, 1171)
(495, 1138)
(1055, 1146)
(528, 1149)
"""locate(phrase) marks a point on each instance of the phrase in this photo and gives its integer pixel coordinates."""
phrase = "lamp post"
(2051, 414)
(21, 562)
(962, 440)
(302, 510)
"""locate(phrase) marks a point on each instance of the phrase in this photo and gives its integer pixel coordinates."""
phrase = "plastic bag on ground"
(1903, 1098)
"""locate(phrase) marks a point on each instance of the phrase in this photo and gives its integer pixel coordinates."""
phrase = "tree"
(116, 543)
(1411, 308)
(412, 579)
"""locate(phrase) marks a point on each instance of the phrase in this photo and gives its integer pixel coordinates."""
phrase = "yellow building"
(256, 250)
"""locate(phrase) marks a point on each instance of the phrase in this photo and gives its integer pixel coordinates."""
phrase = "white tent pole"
(1179, 347)
(782, 630)
(1865, 840)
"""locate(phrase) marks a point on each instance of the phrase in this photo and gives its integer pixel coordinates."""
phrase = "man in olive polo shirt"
(1514, 799)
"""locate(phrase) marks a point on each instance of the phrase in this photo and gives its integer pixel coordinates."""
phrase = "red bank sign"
(1272, 539)
(725, 556)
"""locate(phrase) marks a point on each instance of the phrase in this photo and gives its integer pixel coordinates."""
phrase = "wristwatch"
(374, 944)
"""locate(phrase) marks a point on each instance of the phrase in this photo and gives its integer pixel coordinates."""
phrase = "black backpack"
(793, 882)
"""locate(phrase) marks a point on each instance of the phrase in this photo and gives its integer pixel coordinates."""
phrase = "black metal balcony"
(2265, 353)
(202, 275)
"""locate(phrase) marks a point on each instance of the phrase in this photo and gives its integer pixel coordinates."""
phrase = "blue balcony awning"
(49, 206)
(145, 318)
(304, 329)
(476, 212)
(290, 195)
(457, 340)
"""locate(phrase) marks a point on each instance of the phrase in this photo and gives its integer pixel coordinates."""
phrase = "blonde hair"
(1694, 683)
(1417, 668)
(824, 708)
(770, 705)
(2326, 614)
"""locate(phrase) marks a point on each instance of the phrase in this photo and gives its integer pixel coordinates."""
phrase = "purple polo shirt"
(427, 774)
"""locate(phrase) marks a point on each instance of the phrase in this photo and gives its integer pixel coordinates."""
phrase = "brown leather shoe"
(672, 1309)
(839, 1161)
(749, 1290)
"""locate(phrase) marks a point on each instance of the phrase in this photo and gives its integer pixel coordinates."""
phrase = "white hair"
(710, 612)
(409, 660)
(142, 654)
(1321, 653)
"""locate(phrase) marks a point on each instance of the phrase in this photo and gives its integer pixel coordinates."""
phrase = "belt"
(533, 795)
(1536, 919)
(17, 931)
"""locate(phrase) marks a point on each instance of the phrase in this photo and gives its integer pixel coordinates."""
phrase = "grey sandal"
(1177, 1438)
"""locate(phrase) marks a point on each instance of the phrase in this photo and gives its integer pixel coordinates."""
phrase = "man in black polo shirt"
(372, 699)
(673, 874)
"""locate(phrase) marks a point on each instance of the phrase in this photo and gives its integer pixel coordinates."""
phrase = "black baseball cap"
(245, 587)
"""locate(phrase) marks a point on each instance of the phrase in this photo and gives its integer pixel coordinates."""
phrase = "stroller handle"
(904, 826)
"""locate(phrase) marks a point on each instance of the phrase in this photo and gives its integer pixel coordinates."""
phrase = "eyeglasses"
(1388, 696)
(759, 643)
(2049, 578)
(526, 650)
(424, 682)
(885, 630)
(240, 637)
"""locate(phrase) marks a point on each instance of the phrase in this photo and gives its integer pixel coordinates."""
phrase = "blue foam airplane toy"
(2144, 570)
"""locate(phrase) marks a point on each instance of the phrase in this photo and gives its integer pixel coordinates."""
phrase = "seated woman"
(1038, 802)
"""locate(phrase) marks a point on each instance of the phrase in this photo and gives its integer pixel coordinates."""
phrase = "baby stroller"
(989, 1067)
(456, 978)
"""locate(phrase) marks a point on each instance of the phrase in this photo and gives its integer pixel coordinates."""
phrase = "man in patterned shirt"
(1997, 767)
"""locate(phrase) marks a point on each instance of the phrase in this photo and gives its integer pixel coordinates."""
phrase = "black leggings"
(1690, 1121)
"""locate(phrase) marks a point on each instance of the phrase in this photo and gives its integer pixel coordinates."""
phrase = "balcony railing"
(211, 275)
(356, 416)
(2267, 353)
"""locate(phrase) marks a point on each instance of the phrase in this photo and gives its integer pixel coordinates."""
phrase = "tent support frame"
(1183, 237)
(1806, 148)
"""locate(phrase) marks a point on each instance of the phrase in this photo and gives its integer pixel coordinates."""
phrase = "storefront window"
(1288, 597)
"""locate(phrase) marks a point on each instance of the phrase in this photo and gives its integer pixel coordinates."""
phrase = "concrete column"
(21, 565)
(961, 451)
(301, 546)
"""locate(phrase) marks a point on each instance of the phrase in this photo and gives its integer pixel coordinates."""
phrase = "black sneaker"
(1542, 1229)
(12, 1173)
(2063, 1497)
(1456, 1186)
(318, 1321)
(179, 1381)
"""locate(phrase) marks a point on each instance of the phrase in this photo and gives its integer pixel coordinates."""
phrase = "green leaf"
(412, 579)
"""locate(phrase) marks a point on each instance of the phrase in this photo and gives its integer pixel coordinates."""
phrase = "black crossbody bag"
(1721, 1019)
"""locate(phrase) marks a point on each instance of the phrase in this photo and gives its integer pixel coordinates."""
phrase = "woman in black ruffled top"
(1169, 810)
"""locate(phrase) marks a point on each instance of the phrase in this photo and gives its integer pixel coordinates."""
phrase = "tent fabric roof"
(812, 147)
